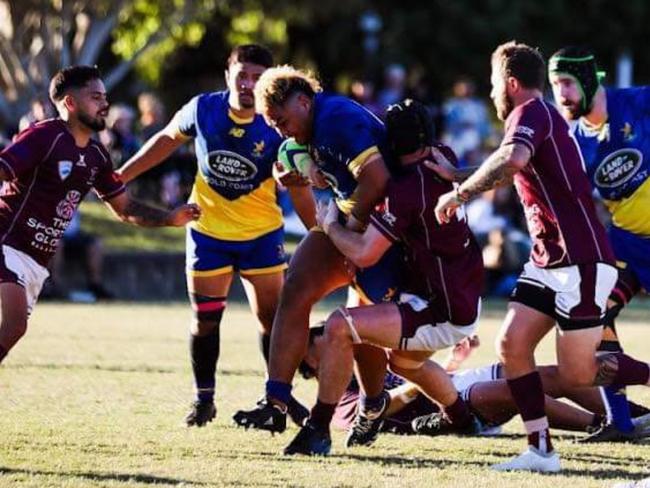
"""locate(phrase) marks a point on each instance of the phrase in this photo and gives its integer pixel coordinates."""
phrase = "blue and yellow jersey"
(617, 158)
(234, 185)
(344, 135)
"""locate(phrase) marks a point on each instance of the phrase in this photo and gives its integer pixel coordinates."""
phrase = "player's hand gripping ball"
(293, 165)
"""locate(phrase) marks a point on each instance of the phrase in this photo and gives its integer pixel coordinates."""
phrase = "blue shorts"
(634, 251)
(208, 256)
(382, 282)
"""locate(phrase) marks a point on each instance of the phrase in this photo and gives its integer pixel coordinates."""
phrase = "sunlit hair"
(520, 61)
(72, 77)
(278, 84)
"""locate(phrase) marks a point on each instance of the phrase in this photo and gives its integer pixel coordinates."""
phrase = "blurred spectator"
(152, 115)
(118, 137)
(394, 89)
(85, 249)
(466, 120)
(40, 109)
(363, 92)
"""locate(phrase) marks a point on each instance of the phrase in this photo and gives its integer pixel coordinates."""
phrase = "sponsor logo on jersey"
(66, 207)
(230, 166)
(527, 131)
(618, 168)
(65, 168)
(628, 132)
(237, 132)
(388, 217)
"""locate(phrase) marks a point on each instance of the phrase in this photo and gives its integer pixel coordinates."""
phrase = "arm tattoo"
(496, 171)
(462, 174)
(140, 214)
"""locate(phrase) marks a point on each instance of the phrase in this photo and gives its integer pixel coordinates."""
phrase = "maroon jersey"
(48, 177)
(554, 190)
(444, 261)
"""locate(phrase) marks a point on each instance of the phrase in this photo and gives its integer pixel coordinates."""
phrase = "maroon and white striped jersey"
(554, 190)
(49, 175)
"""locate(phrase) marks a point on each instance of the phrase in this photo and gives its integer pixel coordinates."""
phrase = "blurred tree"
(37, 37)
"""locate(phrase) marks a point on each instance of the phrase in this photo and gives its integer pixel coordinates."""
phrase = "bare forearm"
(461, 174)
(348, 242)
(152, 153)
(496, 171)
(138, 213)
(304, 203)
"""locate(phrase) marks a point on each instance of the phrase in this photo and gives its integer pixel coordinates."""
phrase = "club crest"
(65, 168)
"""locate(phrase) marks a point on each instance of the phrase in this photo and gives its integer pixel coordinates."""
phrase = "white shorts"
(465, 378)
(421, 333)
(576, 296)
(20, 268)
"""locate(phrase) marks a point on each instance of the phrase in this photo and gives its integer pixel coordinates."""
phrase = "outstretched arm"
(138, 213)
(363, 249)
(497, 170)
(153, 152)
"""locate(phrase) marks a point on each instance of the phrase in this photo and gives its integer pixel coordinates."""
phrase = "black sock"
(321, 415)
(265, 346)
(598, 420)
(204, 351)
(458, 413)
(3, 353)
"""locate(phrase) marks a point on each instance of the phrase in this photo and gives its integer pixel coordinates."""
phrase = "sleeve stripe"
(383, 229)
(526, 142)
(12, 173)
(358, 163)
(112, 194)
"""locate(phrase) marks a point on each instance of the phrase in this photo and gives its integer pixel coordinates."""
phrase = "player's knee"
(300, 289)
(337, 331)
(208, 312)
(265, 317)
(406, 368)
(510, 351)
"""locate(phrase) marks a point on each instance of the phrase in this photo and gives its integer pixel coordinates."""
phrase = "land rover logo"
(230, 166)
(618, 167)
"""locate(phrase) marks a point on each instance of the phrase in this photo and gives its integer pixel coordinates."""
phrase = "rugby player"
(46, 172)
(440, 300)
(615, 144)
(571, 270)
(484, 389)
(348, 145)
(240, 228)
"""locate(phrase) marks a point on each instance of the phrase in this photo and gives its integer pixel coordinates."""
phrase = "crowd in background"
(463, 121)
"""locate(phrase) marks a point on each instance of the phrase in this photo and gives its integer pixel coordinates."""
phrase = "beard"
(573, 111)
(246, 100)
(503, 106)
(96, 124)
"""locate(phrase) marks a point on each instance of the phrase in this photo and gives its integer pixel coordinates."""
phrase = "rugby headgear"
(580, 64)
(409, 127)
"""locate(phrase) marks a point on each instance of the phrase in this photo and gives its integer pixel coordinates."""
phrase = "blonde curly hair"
(277, 84)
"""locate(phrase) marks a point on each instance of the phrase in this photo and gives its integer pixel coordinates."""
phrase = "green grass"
(95, 396)
(117, 236)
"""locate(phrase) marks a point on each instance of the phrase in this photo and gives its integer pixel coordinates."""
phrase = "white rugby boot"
(532, 460)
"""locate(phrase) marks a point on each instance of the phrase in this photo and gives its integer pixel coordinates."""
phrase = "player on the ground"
(46, 173)
(571, 271)
(614, 137)
(348, 145)
(484, 388)
(240, 229)
(440, 302)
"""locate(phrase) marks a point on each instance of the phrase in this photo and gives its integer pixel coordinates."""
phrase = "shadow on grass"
(93, 367)
(93, 476)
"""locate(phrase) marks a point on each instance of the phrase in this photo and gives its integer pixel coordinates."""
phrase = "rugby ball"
(294, 157)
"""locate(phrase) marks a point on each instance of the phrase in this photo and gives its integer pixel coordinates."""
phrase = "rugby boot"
(610, 433)
(265, 416)
(437, 423)
(298, 413)
(532, 460)
(201, 414)
(309, 441)
(367, 424)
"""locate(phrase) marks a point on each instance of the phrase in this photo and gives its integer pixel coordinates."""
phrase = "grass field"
(95, 396)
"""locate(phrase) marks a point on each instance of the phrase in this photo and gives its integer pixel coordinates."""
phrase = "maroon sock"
(321, 415)
(458, 413)
(3, 353)
(630, 371)
(528, 393)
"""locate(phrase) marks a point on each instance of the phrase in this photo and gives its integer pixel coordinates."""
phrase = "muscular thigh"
(316, 268)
